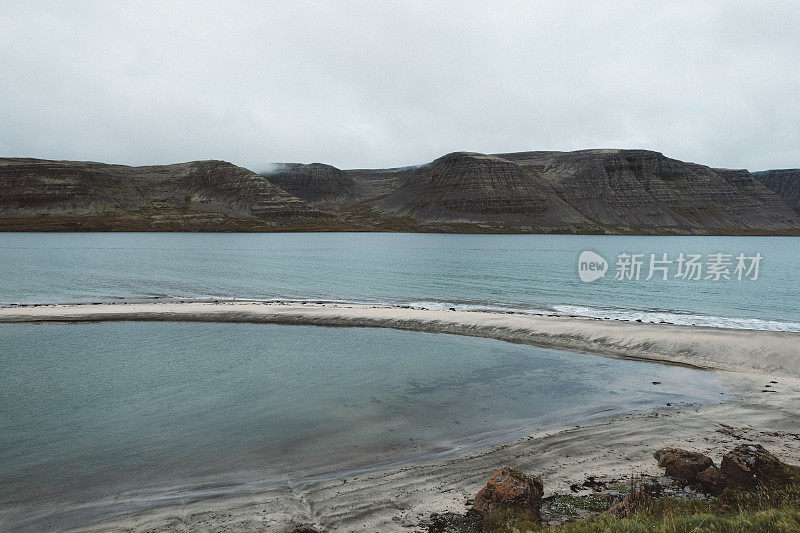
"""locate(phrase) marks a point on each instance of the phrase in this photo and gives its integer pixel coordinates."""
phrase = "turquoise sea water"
(535, 273)
(98, 419)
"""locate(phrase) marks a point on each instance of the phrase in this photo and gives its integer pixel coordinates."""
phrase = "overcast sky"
(372, 84)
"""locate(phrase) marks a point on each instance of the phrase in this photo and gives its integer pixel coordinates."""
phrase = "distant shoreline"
(738, 350)
(98, 224)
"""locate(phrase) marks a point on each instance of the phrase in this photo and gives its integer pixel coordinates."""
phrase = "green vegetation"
(568, 504)
(511, 521)
(771, 508)
(784, 519)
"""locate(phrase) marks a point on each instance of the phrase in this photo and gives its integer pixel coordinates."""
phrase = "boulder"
(712, 480)
(748, 464)
(745, 465)
(682, 465)
(509, 489)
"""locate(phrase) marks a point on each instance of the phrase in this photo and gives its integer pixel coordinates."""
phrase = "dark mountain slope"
(784, 183)
(645, 192)
(480, 188)
(586, 191)
(374, 183)
(201, 195)
(313, 183)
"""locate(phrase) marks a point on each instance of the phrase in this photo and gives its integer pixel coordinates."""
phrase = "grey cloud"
(365, 84)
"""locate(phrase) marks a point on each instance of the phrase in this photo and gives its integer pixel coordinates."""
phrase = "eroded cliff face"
(482, 189)
(586, 191)
(314, 183)
(640, 191)
(607, 191)
(201, 195)
(785, 183)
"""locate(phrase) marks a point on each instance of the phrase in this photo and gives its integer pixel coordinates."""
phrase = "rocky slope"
(586, 191)
(639, 191)
(784, 183)
(201, 195)
(589, 191)
(313, 183)
(483, 189)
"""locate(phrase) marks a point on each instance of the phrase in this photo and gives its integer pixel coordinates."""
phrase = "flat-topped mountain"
(479, 188)
(585, 191)
(641, 191)
(201, 195)
(784, 183)
(588, 191)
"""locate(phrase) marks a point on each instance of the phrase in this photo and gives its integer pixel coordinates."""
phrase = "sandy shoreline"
(767, 352)
(397, 498)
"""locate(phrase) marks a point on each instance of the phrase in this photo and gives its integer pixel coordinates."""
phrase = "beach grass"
(770, 508)
(783, 519)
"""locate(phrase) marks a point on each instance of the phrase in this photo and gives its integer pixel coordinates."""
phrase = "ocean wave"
(684, 319)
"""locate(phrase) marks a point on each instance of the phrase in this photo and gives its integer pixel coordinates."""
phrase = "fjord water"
(536, 273)
(105, 418)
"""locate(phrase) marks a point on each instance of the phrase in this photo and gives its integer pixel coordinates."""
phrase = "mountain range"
(600, 191)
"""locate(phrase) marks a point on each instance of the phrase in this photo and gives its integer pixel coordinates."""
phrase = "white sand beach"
(769, 352)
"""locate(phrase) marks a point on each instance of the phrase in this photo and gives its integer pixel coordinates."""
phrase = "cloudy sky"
(367, 84)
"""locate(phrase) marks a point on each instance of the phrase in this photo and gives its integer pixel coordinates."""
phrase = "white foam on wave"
(653, 317)
(657, 317)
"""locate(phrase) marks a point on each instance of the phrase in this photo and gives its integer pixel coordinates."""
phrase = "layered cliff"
(785, 183)
(640, 191)
(606, 191)
(201, 195)
(482, 189)
(586, 191)
(313, 183)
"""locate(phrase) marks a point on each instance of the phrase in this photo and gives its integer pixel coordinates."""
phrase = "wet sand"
(396, 499)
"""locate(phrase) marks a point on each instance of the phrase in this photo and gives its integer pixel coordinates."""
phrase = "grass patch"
(471, 522)
(773, 508)
(784, 519)
(568, 504)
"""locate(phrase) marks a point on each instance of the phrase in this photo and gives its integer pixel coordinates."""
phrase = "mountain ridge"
(605, 191)
(783, 182)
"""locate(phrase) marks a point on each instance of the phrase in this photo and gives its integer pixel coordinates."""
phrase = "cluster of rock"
(689, 475)
(744, 466)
